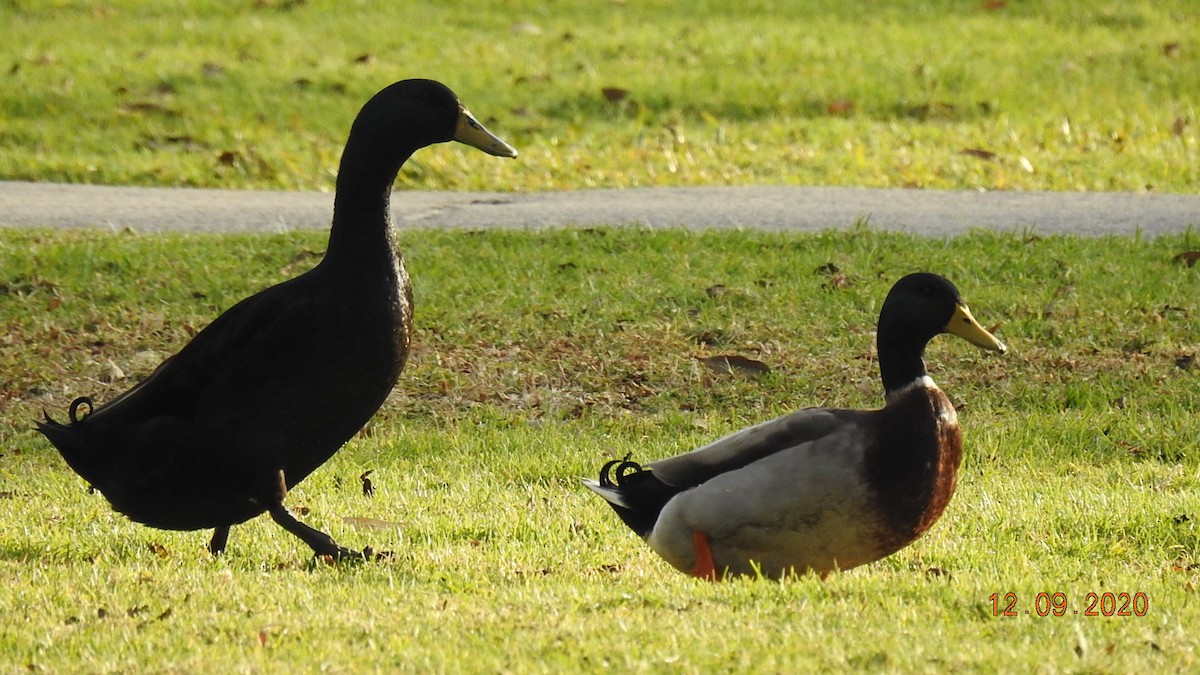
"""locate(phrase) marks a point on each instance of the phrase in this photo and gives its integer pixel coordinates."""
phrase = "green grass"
(538, 355)
(1098, 95)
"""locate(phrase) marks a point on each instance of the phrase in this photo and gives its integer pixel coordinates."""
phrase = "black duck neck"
(901, 360)
(361, 233)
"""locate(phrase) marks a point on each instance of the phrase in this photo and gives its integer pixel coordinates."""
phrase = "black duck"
(268, 391)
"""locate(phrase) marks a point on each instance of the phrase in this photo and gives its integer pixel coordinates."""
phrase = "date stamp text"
(1057, 604)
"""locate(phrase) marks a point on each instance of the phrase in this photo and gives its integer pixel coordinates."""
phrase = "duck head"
(430, 113)
(919, 307)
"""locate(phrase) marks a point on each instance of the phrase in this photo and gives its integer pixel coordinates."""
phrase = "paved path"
(933, 212)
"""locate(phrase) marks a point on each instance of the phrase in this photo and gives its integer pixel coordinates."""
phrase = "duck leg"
(704, 568)
(220, 536)
(321, 543)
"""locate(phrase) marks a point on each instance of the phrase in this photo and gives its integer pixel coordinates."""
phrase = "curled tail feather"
(73, 440)
(634, 492)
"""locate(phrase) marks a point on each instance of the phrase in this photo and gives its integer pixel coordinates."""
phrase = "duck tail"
(633, 492)
(73, 440)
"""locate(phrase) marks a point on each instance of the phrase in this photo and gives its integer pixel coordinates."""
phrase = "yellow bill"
(966, 327)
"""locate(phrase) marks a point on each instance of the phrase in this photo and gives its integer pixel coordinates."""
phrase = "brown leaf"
(708, 338)
(148, 107)
(732, 364)
(1178, 126)
(935, 572)
(978, 152)
(715, 291)
(842, 106)
(1188, 258)
(364, 58)
(159, 550)
(1170, 49)
(614, 94)
(227, 158)
(838, 282)
(992, 5)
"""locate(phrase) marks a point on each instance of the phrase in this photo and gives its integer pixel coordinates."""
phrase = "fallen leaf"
(227, 158)
(148, 107)
(978, 152)
(732, 364)
(614, 94)
(364, 58)
(1170, 49)
(1178, 126)
(838, 282)
(842, 106)
(715, 291)
(526, 28)
(937, 572)
(1188, 258)
(112, 373)
(1081, 642)
(709, 338)
(992, 5)
(371, 523)
(159, 550)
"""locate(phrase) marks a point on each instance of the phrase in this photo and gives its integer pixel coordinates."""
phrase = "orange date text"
(1057, 604)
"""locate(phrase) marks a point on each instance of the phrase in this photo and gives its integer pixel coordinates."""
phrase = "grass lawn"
(1009, 94)
(541, 354)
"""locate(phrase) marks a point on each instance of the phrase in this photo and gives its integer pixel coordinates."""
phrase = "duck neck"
(901, 363)
(361, 230)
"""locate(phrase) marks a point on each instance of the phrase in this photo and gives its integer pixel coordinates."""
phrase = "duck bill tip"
(964, 325)
(470, 132)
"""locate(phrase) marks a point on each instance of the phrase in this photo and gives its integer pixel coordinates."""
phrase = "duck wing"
(180, 382)
(638, 494)
(749, 445)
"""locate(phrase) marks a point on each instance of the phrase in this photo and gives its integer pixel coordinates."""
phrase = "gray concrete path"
(932, 212)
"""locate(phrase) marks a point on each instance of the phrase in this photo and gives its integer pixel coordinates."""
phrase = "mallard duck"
(819, 489)
(268, 391)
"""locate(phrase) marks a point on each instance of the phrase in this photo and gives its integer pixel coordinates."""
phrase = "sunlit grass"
(541, 354)
(1068, 96)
